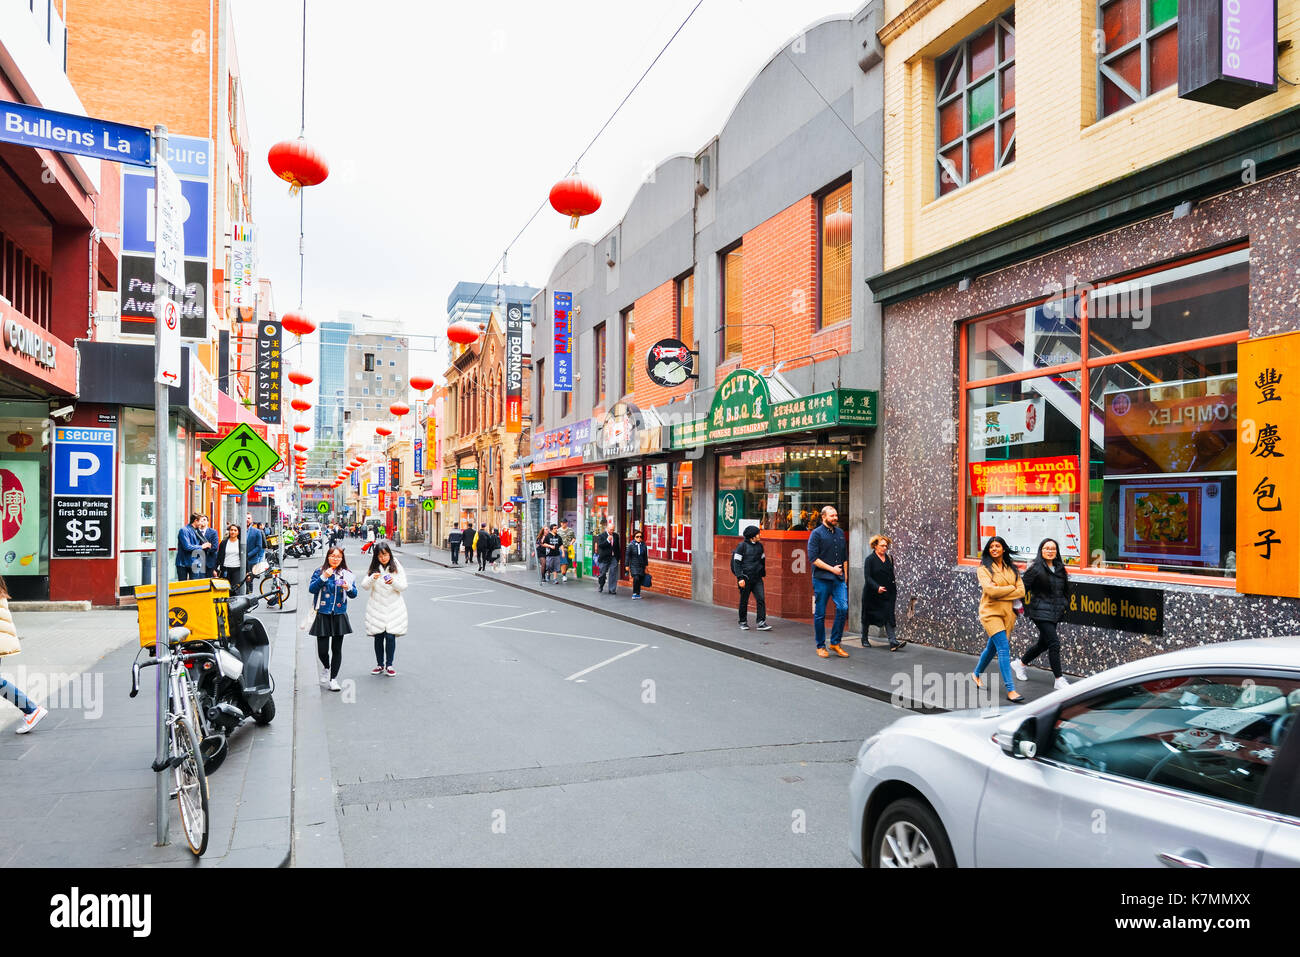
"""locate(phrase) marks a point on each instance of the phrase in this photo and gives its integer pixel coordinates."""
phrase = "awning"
(231, 412)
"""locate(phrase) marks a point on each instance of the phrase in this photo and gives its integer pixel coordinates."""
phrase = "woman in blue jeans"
(1000, 581)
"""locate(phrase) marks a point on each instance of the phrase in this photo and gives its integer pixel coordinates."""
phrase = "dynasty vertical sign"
(514, 367)
(562, 369)
(268, 371)
(1268, 466)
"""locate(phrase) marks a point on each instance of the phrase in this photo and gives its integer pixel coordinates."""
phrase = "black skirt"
(326, 626)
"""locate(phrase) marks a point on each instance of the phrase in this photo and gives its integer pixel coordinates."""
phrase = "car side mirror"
(1024, 743)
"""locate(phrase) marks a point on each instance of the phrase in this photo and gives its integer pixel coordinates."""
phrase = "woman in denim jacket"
(333, 585)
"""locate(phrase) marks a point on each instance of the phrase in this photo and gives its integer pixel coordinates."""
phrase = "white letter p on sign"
(81, 465)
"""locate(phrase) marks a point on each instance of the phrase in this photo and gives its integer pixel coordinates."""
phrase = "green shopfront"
(778, 459)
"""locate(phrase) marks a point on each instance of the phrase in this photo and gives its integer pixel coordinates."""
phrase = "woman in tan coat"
(32, 712)
(1002, 587)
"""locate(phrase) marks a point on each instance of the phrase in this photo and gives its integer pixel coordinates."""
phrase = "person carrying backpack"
(749, 565)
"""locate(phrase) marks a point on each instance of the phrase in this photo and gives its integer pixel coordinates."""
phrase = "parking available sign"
(83, 483)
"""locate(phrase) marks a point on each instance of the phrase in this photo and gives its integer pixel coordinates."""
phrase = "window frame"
(627, 327)
(723, 355)
(679, 285)
(1086, 366)
(962, 62)
(818, 324)
(1146, 33)
(602, 359)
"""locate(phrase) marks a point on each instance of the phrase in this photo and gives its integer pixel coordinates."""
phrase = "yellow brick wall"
(1062, 150)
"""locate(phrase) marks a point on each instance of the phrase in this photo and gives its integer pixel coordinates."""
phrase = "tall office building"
(473, 303)
(377, 370)
(334, 338)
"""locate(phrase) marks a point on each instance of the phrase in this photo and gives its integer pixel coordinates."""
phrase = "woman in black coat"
(1048, 586)
(879, 592)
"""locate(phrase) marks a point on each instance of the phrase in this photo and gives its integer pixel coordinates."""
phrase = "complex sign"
(562, 342)
(83, 468)
(514, 367)
(1227, 51)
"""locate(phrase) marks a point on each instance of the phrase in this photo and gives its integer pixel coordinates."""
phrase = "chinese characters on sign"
(563, 343)
(515, 367)
(1268, 508)
(268, 372)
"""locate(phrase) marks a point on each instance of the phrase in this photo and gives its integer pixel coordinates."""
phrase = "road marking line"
(587, 671)
(484, 624)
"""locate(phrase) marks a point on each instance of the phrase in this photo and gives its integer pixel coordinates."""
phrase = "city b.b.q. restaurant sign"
(743, 408)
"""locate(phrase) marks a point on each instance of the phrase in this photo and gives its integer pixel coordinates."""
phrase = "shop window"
(686, 309)
(1144, 480)
(601, 357)
(629, 351)
(370, 362)
(785, 488)
(1140, 51)
(835, 259)
(679, 539)
(732, 315)
(539, 405)
(975, 101)
(657, 502)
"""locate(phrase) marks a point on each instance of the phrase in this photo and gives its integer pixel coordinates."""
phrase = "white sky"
(445, 124)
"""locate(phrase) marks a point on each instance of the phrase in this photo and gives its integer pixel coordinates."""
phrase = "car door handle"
(1184, 857)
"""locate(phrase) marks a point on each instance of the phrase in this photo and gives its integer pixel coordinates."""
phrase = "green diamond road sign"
(427, 505)
(323, 507)
(243, 457)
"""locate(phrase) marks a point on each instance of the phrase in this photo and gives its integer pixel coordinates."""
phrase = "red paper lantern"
(297, 163)
(301, 427)
(575, 197)
(297, 323)
(300, 405)
(19, 440)
(385, 432)
(421, 383)
(399, 408)
(299, 447)
(839, 227)
(300, 378)
(362, 460)
(463, 332)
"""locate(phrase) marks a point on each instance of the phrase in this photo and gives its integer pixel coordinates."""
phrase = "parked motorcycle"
(304, 546)
(239, 684)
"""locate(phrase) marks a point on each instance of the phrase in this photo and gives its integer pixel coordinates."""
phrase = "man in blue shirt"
(190, 550)
(210, 536)
(828, 553)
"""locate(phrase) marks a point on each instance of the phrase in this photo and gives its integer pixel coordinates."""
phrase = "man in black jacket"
(749, 565)
(609, 548)
(453, 540)
(484, 545)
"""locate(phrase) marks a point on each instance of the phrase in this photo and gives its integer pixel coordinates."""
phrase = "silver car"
(1187, 759)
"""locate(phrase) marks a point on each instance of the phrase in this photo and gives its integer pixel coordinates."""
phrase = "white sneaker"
(1060, 683)
(335, 686)
(564, 578)
(1018, 667)
(31, 720)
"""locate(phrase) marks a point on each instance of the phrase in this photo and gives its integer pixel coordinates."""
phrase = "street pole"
(162, 593)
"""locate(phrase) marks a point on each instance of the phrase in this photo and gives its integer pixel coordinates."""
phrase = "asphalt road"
(524, 732)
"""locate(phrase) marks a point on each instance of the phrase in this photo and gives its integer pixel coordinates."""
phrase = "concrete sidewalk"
(919, 677)
(78, 790)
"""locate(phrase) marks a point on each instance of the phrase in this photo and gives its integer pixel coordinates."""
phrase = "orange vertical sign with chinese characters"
(1268, 466)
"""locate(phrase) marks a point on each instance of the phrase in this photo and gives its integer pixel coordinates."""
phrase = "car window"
(1216, 735)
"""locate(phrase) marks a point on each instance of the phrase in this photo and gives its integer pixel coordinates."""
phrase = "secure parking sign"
(84, 466)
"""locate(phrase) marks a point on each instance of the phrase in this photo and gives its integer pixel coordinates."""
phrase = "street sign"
(169, 343)
(508, 507)
(401, 501)
(68, 133)
(169, 233)
(242, 457)
(427, 505)
(323, 507)
(84, 462)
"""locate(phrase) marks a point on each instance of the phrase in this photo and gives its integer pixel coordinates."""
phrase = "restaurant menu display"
(1027, 500)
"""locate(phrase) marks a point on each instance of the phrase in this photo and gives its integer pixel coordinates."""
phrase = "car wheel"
(909, 834)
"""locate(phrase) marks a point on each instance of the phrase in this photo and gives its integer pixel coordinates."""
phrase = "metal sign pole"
(162, 457)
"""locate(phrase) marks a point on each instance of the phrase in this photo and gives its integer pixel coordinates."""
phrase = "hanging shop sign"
(742, 408)
(466, 479)
(269, 372)
(562, 343)
(243, 265)
(1268, 466)
(1007, 424)
(619, 431)
(34, 354)
(1116, 607)
(514, 367)
(562, 446)
(1227, 51)
(417, 459)
(203, 395)
(537, 489)
(670, 362)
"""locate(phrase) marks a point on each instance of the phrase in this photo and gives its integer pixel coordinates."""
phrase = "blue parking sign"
(83, 462)
(401, 501)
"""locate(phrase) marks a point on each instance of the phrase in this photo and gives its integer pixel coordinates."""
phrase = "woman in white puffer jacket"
(386, 610)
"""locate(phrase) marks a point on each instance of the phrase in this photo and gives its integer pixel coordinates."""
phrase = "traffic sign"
(169, 343)
(323, 507)
(508, 507)
(428, 505)
(83, 527)
(401, 501)
(84, 461)
(169, 233)
(243, 457)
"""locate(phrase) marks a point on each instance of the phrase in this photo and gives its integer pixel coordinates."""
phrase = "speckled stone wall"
(937, 597)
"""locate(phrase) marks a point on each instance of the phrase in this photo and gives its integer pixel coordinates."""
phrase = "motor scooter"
(239, 684)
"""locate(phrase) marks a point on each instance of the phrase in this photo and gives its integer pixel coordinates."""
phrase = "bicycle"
(274, 588)
(184, 759)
